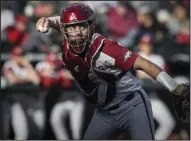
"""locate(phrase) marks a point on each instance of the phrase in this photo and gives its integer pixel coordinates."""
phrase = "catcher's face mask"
(77, 34)
(77, 22)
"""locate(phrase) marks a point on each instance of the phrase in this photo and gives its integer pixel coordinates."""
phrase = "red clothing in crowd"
(118, 25)
(16, 37)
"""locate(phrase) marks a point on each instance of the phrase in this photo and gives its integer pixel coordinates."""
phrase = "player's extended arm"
(55, 22)
(158, 74)
(181, 92)
(43, 24)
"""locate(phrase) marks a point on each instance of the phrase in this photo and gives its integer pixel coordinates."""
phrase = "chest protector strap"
(105, 91)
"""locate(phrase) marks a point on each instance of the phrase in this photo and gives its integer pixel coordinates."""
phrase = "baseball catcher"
(102, 69)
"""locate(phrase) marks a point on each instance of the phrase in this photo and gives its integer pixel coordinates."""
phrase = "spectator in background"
(183, 37)
(147, 24)
(44, 9)
(146, 50)
(167, 5)
(69, 102)
(147, 21)
(186, 4)
(50, 72)
(101, 8)
(35, 41)
(6, 12)
(163, 18)
(7, 19)
(39, 8)
(178, 20)
(18, 69)
(120, 20)
(24, 107)
(17, 35)
(30, 40)
(16, 6)
(139, 4)
(163, 37)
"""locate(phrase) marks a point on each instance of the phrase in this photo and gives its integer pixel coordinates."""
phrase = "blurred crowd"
(40, 99)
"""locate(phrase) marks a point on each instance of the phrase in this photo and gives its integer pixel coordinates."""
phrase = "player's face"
(77, 33)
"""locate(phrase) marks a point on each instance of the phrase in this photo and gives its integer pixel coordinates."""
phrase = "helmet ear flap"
(91, 25)
(90, 22)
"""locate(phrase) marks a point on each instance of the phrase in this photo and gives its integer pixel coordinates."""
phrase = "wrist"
(54, 21)
(167, 81)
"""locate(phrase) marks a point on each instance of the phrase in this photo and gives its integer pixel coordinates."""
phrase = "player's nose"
(77, 31)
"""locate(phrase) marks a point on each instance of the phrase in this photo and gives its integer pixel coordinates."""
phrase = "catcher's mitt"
(182, 103)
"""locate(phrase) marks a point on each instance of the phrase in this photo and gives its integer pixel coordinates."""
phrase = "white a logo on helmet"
(72, 17)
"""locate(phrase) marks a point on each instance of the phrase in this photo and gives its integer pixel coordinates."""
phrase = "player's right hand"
(43, 25)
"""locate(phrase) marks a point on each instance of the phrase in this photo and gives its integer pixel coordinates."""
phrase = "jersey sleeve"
(124, 58)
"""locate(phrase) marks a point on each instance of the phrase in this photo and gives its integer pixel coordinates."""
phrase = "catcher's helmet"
(77, 25)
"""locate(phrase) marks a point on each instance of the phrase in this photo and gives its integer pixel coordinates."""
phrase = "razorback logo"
(72, 17)
(127, 55)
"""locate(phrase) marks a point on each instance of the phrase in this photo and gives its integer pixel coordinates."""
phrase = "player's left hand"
(182, 102)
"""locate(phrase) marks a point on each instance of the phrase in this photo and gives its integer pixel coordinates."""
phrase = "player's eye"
(82, 28)
(71, 28)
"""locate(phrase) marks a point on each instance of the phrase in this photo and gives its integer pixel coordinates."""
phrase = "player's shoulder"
(113, 47)
(106, 46)
(98, 40)
(112, 43)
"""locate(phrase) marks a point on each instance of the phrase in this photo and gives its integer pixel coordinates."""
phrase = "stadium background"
(161, 27)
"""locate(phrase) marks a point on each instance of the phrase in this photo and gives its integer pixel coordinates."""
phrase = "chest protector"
(99, 87)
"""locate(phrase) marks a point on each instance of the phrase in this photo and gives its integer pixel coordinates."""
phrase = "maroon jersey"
(106, 59)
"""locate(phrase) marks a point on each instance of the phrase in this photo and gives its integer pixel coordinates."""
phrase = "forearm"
(55, 22)
(148, 67)
(156, 73)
